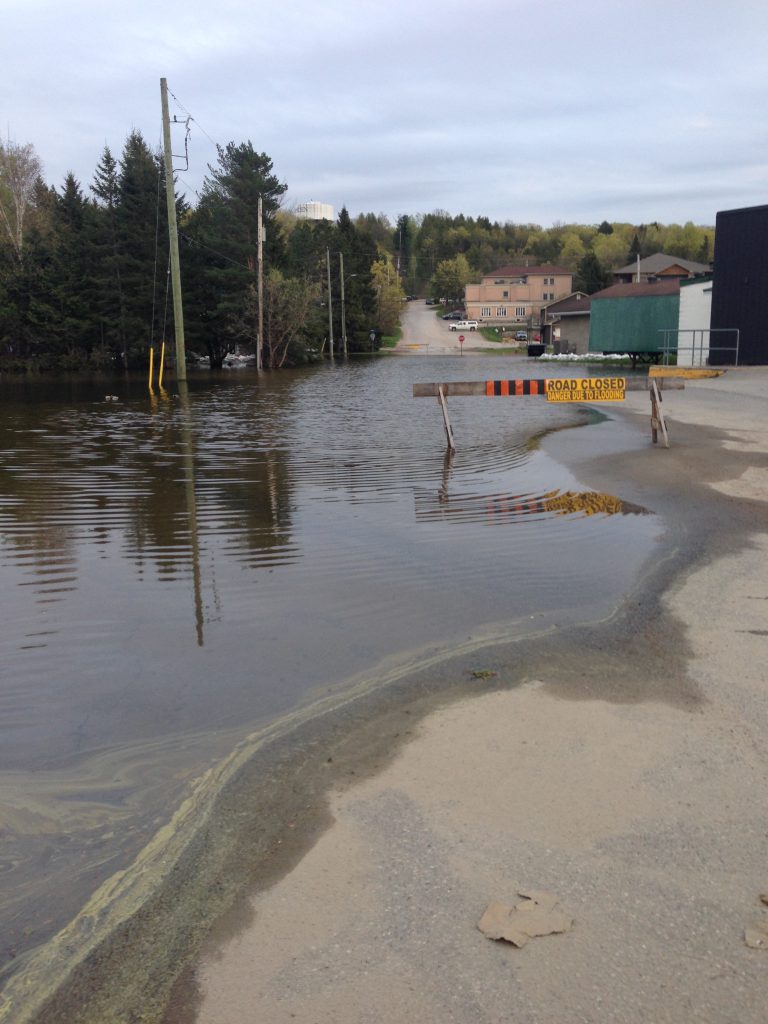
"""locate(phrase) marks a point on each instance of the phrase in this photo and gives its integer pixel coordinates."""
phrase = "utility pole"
(173, 239)
(260, 284)
(343, 320)
(330, 299)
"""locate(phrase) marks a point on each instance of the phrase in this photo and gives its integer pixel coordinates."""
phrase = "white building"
(315, 211)
(693, 327)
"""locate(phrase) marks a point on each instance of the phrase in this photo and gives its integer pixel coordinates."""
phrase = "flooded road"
(176, 573)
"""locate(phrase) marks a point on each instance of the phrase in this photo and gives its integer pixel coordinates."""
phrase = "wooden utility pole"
(330, 300)
(343, 320)
(260, 285)
(173, 238)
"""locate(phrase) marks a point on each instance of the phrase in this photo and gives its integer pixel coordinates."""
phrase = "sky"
(530, 111)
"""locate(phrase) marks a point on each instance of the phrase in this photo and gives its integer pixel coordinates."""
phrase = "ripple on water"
(175, 572)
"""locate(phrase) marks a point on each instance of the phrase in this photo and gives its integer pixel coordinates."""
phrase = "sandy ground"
(647, 818)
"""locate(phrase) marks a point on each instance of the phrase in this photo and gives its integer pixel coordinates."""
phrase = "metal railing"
(699, 349)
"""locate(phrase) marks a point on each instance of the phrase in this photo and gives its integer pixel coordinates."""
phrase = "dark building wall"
(740, 283)
(632, 324)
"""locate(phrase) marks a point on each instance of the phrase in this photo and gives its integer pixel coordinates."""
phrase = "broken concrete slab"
(538, 913)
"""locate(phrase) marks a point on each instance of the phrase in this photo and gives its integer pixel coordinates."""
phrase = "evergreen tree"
(359, 252)
(591, 275)
(62, 307)
(223, 232)
(634, 249)
(142, 236)
(108, 297)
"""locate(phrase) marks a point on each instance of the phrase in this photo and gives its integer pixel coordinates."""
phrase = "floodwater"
(177, 572)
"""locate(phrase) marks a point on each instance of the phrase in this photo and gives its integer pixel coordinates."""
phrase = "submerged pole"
(173, 238)
(260, 284)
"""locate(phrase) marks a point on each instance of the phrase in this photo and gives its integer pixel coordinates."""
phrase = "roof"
(578, 302)
(660, 261)
(523, 271)
(741, 210)
(704, 279)
(641, 290)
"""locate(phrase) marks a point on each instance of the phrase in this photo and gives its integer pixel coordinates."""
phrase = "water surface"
(177, 571)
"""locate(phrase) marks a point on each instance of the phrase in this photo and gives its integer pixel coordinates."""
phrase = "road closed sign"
(586, 389)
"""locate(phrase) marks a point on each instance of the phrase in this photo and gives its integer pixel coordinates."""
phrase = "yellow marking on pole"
(162, 363)
(151, 364)
(586, 389)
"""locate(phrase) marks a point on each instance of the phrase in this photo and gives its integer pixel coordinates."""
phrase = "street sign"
(586, 389)
(461, 339)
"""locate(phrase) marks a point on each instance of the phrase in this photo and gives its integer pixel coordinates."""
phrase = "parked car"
(464, 325)
(456, 314)
(521, 336)
(430, 302)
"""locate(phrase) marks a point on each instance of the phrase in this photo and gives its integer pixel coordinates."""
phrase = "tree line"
(84, 273)
(84, 279)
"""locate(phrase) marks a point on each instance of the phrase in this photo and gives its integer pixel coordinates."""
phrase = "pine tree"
(222, 245)
(71, 276)
(141, 234)
(591, 275)
(108, 298)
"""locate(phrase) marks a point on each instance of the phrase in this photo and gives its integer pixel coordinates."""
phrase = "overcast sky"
(519, 110)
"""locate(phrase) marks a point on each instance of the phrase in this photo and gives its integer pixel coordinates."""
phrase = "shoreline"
(376, 737)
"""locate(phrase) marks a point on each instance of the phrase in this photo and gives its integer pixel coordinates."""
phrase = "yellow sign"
(586, 389)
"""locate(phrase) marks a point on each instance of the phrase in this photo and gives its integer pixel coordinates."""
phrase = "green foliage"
(389, 295)
(451, 277)
(591, 275)
(222, 249)
(83, 276)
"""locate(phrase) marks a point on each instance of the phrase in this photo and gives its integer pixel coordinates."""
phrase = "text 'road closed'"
(586, 389)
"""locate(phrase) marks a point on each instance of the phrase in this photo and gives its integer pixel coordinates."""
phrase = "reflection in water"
(504, 509)
(180, 568)
(189, 492)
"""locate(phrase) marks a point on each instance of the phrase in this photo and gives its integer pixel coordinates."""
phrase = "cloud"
(517, 110)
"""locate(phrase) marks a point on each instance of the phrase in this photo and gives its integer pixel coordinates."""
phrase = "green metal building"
(630, 318)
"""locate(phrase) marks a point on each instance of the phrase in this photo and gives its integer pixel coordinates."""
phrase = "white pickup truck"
(464, 325)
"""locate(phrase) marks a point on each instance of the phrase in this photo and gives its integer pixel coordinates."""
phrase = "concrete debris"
(756, 935)
(539, 913)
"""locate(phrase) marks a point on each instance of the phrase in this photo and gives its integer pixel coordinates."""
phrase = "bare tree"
(288, 303)
(20, 168)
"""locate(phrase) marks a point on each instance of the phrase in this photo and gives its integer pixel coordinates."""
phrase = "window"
(485, 311)
(519, 310)
(548, 296)
(501, 311)
(505, 295)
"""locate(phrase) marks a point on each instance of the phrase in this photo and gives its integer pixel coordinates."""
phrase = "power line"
(194, 119)
(221, 255)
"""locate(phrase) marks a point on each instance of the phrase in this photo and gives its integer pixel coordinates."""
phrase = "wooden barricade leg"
(444, 407)
(657, 416)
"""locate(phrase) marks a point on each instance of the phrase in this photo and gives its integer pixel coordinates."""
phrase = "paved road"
(424, 333)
